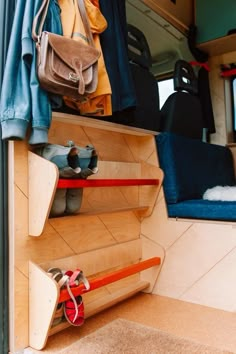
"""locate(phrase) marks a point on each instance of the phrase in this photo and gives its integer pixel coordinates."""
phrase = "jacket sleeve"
(23, 103)
(15, 104)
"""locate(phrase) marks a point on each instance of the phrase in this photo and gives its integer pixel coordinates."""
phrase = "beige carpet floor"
(122, 336)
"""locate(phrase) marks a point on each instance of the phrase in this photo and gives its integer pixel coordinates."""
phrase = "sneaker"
(73, 159)
(72, 162)
(87, 157)
(59, 155)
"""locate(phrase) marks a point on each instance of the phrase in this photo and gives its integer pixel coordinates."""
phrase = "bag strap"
(85, 21)
(43, 11)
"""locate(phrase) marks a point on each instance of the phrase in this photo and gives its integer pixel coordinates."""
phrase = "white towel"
(223, 193)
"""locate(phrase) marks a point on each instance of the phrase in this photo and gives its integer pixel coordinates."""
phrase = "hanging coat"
(99, 102)
(114, 43)
(23, 103)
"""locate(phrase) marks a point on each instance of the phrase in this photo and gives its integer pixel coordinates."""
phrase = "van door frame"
(7, 8)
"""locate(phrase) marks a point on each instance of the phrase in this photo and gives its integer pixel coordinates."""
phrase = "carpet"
(126, 337)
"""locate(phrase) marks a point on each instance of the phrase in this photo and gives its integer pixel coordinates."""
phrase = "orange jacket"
(99, 102)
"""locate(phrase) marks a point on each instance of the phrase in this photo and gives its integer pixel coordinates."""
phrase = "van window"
(166, 88)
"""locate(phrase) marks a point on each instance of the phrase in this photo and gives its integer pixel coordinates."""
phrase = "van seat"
(191, 167)
(182, 111)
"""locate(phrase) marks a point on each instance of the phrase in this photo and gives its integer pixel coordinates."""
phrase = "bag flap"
(60, 68)
(71, 51)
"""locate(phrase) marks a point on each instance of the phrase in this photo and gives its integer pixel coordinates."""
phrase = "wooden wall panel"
(86, 234)
(197, 258)
(180, 13)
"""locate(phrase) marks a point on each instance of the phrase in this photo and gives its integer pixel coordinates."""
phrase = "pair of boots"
(73, 162)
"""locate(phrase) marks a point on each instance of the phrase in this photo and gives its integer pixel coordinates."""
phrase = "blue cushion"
(191, 166)
(203, 209)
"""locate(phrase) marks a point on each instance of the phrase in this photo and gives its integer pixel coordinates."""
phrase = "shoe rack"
(106, 287)
(104, 239)
(137, 180)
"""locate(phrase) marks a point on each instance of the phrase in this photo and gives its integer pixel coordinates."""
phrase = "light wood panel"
(84, 234)
(20, 314)
(43, 301)
(197, 258)
(219, 46)
(106, 258)
(43, 177)
(180, 13)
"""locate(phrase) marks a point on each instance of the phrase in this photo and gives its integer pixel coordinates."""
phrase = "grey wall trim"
(6, 16)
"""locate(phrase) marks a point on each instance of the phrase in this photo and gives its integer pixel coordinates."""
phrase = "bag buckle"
(73, 77)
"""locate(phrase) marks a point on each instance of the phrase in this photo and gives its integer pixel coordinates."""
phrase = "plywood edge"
(204, 221)
(43, 178)
(100, 124)
(219, 46)
(182, 27)
(43, 298)
(138, 210)
(149, 194)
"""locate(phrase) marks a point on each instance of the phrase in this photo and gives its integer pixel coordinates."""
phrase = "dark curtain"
(6, 17)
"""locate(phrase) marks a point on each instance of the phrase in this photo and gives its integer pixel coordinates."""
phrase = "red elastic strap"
(203, 65)
(228, 73)
(75, 276)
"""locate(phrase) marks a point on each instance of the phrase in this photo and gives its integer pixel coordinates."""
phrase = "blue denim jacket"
(24, 105)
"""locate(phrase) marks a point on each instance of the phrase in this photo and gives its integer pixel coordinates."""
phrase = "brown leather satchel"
(65, 66)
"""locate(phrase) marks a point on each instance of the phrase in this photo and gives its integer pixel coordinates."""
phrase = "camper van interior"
(114, 244)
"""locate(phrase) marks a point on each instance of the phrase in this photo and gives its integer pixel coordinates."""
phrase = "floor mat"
(126, 337)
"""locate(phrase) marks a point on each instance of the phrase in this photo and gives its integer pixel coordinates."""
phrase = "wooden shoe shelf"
(138, 181)
(114, 256)
(114, 286)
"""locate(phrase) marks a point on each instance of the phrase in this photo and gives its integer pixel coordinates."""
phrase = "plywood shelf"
(100, 124)
(137, 189)
(138, 210)
(219, 46)
(105, 302)
(132, 277)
